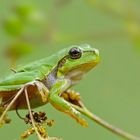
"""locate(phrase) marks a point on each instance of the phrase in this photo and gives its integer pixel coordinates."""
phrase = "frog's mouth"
(76, 73)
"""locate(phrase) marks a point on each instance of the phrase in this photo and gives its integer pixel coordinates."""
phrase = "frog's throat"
(77, 73)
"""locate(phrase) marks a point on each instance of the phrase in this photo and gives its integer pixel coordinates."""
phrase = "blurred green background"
(32, 29)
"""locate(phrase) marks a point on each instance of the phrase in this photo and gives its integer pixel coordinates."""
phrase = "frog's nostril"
(96, 51)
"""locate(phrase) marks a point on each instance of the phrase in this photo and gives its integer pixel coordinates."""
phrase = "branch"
(105, 124)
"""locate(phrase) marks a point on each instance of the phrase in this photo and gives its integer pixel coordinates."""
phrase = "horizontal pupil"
(75, 53)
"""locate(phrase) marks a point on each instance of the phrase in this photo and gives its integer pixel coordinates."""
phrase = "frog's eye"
(75, 53)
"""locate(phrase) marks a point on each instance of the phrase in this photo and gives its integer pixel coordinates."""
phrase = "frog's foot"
(72, 97)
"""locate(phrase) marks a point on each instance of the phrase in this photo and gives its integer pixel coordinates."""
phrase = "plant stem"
(31, 116)
(105, 124)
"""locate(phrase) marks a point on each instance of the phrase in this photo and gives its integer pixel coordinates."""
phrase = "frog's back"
(46, 64)
(30, 72)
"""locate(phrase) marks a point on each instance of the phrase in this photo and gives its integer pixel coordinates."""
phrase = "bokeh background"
(32, 29)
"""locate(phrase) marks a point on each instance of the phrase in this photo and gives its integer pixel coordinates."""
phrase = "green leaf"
(13, 26)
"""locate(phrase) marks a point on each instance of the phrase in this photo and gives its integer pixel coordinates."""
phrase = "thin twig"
(10, 104)
(31, 116)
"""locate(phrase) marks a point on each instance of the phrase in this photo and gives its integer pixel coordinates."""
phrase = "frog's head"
(79, 60)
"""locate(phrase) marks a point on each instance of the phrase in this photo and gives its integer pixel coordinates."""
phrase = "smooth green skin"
(66, 76)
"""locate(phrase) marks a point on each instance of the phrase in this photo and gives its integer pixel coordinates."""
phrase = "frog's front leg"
(72, 97)
(63, 105)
